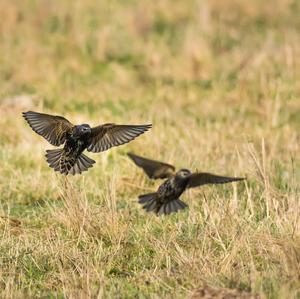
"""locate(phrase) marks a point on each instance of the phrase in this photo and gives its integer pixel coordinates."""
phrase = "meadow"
(219, 81)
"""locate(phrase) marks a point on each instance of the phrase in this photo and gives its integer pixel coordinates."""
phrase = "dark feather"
(67, 165)
(144, 198)
(106, 136)
(198, 179)
(170, 207)
(52, 128)
(150, 206)
(153, 169)
(149, 201)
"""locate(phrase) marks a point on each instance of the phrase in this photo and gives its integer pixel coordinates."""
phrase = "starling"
(76, 138)
(166, 199)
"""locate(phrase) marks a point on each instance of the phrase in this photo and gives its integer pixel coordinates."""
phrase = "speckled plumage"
(70, 159)
(166, 199)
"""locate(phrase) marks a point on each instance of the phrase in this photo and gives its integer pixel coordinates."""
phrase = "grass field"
(219, 81)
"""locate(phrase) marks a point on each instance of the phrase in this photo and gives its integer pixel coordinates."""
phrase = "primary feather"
(203, 178)
(53, 128)
(106, 136)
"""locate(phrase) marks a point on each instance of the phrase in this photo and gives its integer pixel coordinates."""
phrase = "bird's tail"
(59, 161)
(151, 204)
(149, 201)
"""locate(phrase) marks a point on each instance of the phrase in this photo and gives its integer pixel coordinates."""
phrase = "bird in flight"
(166, 199)
(70, 159)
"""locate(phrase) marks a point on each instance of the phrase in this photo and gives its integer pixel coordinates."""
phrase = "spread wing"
(106, 136)
(51, 127)
(203, 178)
(153, 169)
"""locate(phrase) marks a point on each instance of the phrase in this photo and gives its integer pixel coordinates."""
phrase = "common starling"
(76, 138)
(166, 199)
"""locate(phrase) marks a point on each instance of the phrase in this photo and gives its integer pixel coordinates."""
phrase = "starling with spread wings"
(166, 199)
(70, 159)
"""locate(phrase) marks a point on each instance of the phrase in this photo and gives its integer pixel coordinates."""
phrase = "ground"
(219, 81)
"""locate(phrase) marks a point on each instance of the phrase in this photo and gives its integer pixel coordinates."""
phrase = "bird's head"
(183, 173)
(83, 129)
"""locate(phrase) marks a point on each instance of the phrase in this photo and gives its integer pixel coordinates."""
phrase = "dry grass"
(219, 80)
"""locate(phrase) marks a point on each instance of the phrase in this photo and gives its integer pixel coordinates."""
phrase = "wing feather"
(153, 169)
(52, 127)
(106, 136)
(203, 178)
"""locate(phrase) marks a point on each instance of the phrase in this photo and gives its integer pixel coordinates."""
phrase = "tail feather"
(149, 201)
(172, 207)
(53, 158)
(86, 161)
(151, 204)
(161, 211)
(73, 168)
(180, 204)
(168, 209)
(83, 163)
(67, 165)
(147, 197)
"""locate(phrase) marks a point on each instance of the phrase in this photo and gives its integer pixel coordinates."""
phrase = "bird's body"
(168, 193)
(65, 159)
(78, 138)
(172, 188)
(77, 141)
(166, 199)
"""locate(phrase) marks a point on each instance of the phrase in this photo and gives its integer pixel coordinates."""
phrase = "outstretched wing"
(51, 127)
(153, 169)
(106, 136)
(203, 178)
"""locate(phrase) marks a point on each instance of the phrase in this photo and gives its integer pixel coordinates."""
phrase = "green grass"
(219, 81)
